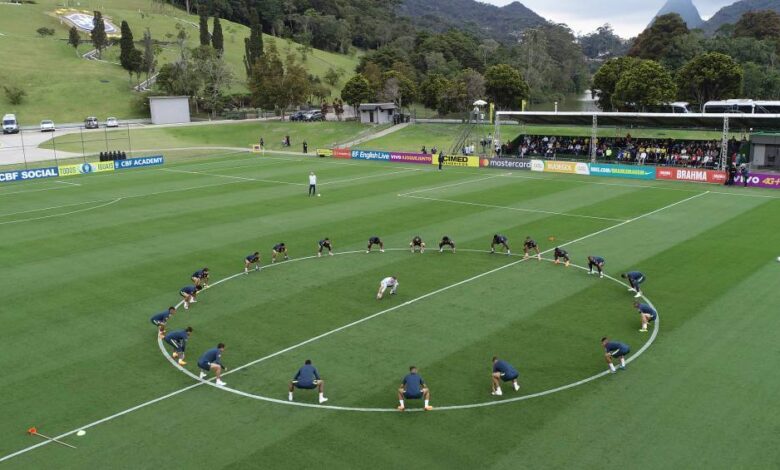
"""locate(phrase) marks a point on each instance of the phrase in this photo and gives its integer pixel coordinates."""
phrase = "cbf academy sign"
(139, 162)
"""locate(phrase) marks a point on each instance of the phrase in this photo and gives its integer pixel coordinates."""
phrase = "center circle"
(517, 259)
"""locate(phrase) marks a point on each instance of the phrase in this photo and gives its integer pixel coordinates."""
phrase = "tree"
(277, 85)
(332, 76)
(505, 86)
(762, 24)
(14, 94)
(473, 85)
(127, 49)
(217, 40)
(215, 75)
(74, 39)
(203, 28)
(44, 31)
(655, 41)
(98, 34)
(645, 84)
(136, 64)
(253, 45)
(434, 93)
(357, 90)
(603, 43)
(710, 76)
(398, 89)
(149, 61)
(606, 78)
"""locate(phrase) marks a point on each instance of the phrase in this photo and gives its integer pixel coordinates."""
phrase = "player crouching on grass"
(375, 241)
(391, 282)
(189, 293)
(178, 341)
(499, 240)
(503, 370)
(211, 360)
(307, 378)
(634, 279)
(646, 314)
(417, 244)
(413, 388)
(614, 349)
(278, 249)
(161, 319)
(561, 254)
(201, 278)
(254, 258)
(324, 244)
(528, 245)
(446, 241)
(596, 262)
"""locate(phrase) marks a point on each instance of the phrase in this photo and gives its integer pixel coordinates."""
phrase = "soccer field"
(88, 260)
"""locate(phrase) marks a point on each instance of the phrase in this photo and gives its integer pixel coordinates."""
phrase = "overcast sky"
(627, 17)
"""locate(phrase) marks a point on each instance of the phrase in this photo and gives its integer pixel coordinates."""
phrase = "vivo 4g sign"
(31, 174)
(623, 171)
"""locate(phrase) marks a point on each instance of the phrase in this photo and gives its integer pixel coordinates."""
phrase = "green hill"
(66, 88)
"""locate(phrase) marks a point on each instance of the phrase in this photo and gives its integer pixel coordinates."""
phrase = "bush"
(44, 31)
(14, 94)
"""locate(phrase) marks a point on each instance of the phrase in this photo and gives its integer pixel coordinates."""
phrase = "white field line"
(519, 209)
(67, 182)
(189, 387)
(347, 180)
(451, 185)
(242, 178)
(51, 216)
(6, 193)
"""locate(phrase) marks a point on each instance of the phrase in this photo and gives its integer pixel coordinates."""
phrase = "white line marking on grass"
(451, 185)
(348, 180)
(5, 193)
(50, 208)
(67, 182)
(51, 216)
(242, 178)
(189, 387)
(519, 209)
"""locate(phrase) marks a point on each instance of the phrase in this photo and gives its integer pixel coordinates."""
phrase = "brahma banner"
(623, 171)
(691, 174)
(573, 168)
(345, 153)
(760, 180)
(86, 168)
(458, 160)
(506, 163)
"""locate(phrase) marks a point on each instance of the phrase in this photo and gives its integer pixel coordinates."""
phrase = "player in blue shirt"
(307, 378)
(278, 249)
(417, 244)
(596, 262)
(161, 319)
(201, 278)
(561, 254)
(646, 314)
(413, 388)
(614, 349)
(254, 258)
(446, 241)
(324, 244)
(503, 370)
(178, 341)
(634, 279)
(375, 241)
(189, 293)
(499, 240)
(212, 360)
(530, 244)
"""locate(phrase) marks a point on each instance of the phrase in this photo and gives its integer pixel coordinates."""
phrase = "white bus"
(742, 106)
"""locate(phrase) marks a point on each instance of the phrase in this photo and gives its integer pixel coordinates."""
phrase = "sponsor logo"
(404, 157)
(30, 174)
(342, 153)
(760, 180)
(324, 152)
(506, 163)
(537, 165)
(138, 162)
(623, 171)
(573, 168)
(85, 168)
(457, 160)
(370, 155)
(691, 174)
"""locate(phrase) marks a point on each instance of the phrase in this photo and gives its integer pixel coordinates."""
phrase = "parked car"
(298, 116)
(47, 125)
(91, 123)
(112, 122)
(10, 124)
(314, 116)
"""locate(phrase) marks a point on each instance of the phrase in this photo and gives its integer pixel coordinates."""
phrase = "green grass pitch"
(86, 264)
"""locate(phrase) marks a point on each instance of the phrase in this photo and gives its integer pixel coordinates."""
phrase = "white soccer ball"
(81, 432)
(319, 195)
(778, 259)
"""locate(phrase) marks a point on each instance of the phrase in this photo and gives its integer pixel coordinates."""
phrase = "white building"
(377, 113)
(169, 109)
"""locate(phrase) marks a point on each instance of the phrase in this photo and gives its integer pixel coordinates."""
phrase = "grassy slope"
(64, 88)
(697, 398)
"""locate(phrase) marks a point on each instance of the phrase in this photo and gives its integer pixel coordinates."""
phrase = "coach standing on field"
(441, 160)
(312, 184)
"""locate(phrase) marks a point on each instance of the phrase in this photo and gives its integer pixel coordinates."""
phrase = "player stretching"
(189, 293)
(212, 360)
(596, 262)
(254, 258)
(499, 240)
(413, 388)
(161, 319)
(646, 314)
(528, 245)
(324, 244)
(201, 278)
(307, 378)
(375, 241)
(178, 341)
(392, 282)
(277, 250)
(503, 370)
(614, 349)
(417, 244)
(446, 241)
(561, 254)
(634, 279)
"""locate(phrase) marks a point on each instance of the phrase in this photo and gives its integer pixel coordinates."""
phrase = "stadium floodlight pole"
(593, 135)
(724, 142)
